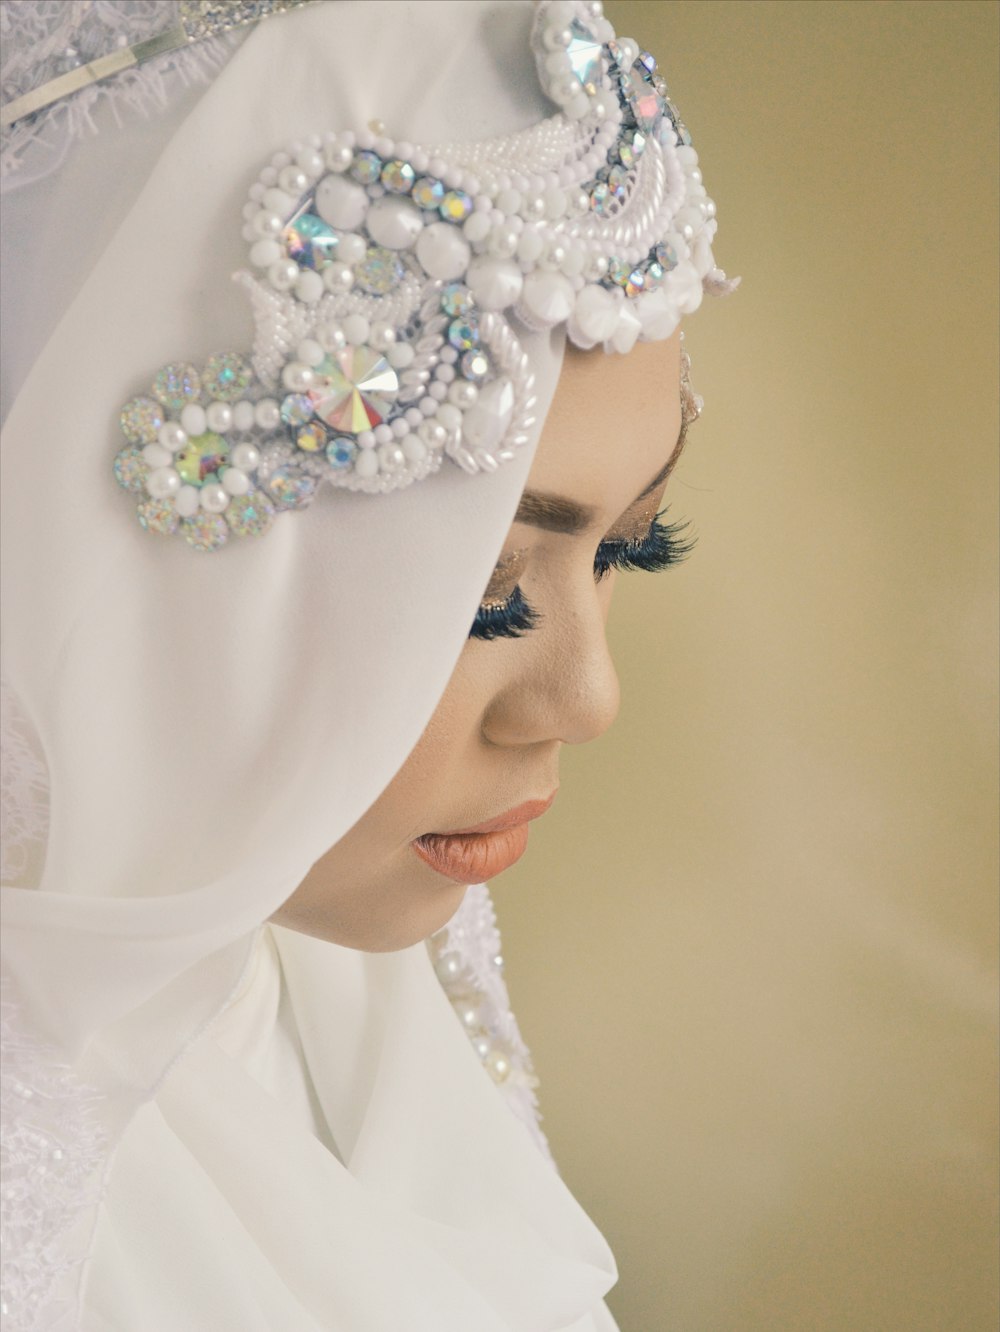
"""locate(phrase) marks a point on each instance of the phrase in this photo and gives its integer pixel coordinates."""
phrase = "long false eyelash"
(510, 619)
(663, 546)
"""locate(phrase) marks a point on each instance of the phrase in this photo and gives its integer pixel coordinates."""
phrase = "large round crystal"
(354, 389)
(202, 458)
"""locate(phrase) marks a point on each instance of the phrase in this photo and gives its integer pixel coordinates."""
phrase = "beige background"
(753, 944)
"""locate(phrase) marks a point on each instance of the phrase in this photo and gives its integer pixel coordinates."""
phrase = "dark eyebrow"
(556, 514)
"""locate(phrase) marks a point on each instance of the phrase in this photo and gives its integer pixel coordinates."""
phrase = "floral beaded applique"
(389, 281)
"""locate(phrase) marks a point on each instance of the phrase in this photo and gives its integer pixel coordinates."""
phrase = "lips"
(473, 855)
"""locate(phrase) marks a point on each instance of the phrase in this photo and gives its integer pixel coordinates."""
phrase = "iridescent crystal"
(584, 53)
(655, 274)
(648, 60)
(456, 206)
(631, 148)
(379, 272)
(398, 177)
(456, 300)
(201, 459)
(226, 376)
(601, 198)
(647, 104)
(131, 470)
(428, 192)
(618, 181)
(341, 451)
(312, 437)
(463, 334)
(141, 419)
(475, 365)
(250, 515)
(291, 489)
(310, 241)
(355, 389)
(666, 255)
(367, 167)
(158, 515)
(177, 384)
(296, 409)
(205, 531)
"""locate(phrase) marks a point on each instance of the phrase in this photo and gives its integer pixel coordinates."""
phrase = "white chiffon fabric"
(328, 1153)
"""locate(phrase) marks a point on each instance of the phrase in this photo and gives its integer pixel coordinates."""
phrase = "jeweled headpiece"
(390, 281)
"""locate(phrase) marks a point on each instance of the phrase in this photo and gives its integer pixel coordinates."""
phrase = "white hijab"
(210, 727)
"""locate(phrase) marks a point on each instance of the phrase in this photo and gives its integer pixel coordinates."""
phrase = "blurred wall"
(753, 944)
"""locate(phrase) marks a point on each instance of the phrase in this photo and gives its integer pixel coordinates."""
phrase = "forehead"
(613, 424)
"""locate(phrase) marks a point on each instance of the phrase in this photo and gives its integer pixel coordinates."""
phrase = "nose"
(566, 686)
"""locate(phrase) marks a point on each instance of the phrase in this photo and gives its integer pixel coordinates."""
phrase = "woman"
(237, 1095)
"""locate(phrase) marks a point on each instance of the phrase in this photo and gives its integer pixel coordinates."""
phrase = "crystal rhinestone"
(456, 300)
(341, 452)
(250, 515)
(618, 181)
(647, 104)
(312, 437)
(398, 177)
(296, 409)
(379, 272)
(367, 167)
(666, 255)
(428, 192)
(158, 516)
(205, 531)
(475, 365)
(141, 419)
(455, 206)
(601, 198)
(355, 389)
(226, 376)
(310, 241)
(463, 334)
(201, 458)
(655, 273)
(291, 489)
(584, 53)
(177, 384)
(648, 60)
(131, 470)
(631, 148)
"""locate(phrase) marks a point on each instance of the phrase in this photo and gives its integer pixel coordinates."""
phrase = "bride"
(305, 584)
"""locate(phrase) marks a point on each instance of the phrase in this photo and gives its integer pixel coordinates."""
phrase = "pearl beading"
(388, 281)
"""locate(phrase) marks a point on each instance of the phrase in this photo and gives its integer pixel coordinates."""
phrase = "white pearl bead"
(308, 286)
(394, 223)
(338, 156)
(331, 336)
(555, 203)
(293, 180)
(310, 161)
(382, 335)
(530, 244)
(297, 377)
(449, 415)
(463, 394)
(341, 202)
(509, 201)
(282, 275)
(494, 283)
(548, 297)
(243, 415)
(245, 457)
(356, 329)
(279, 201)
(383, 434)
(186, 501)
(485, 424)
(400, 355)
(264, 253)
(266, 225)
(219, 416)
(414, 449)
(572, 260)
(433, 434)
(351, 248)
(309, 352)
(438, 391)
(163, 482)
(213, 499)
(503, 242)
(338, 278)
(366, 439)
(267, 413)
(366, 463)
(235, 481)
(173, 437)
(442, 251)
(192, 419)
(157, 456)
(476, 227)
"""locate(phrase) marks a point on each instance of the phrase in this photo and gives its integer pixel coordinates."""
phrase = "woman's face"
(493, 744)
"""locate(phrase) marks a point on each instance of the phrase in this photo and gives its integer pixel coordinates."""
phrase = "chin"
(394, 922)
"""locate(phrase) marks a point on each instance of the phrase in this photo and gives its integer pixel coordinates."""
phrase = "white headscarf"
(210, 727)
